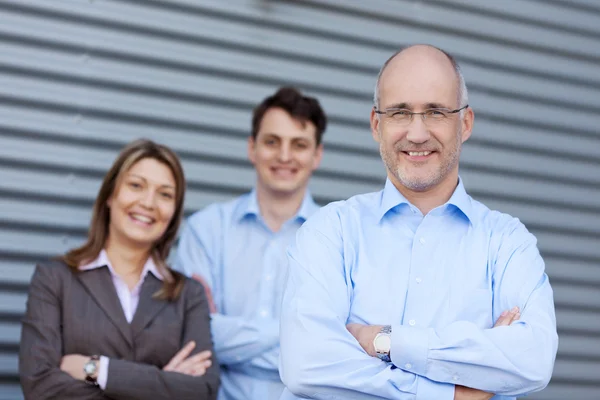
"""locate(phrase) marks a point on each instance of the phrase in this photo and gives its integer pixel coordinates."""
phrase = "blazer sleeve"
(129, 380)
(41, 350)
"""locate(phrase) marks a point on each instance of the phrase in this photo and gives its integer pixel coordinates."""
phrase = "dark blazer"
(80, 313)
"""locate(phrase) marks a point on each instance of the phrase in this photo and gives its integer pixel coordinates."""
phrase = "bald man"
(417, 291)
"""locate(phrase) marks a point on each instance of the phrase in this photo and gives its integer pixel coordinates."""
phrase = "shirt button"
(455, 377)
(419, 280)
(263, 313)
(268, 277)
(408, 365)
(422, 240)
(412, 322)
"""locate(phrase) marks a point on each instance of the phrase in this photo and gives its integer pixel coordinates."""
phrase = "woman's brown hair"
(99, 225)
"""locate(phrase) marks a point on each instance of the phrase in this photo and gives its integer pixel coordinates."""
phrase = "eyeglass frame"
(422, 114)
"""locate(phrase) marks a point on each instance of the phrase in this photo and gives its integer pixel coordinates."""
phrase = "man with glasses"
(237, 248)
(417, 291)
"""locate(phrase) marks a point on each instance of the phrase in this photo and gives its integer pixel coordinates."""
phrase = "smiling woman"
(112, 312)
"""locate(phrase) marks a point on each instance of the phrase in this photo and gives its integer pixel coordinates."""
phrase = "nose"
(147, 199)
(284, 152)
(417, 131)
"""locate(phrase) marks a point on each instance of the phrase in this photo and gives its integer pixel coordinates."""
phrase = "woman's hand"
(195, 365)
(73, 364)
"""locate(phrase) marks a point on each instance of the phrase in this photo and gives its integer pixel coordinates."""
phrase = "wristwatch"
(383, 342)
(90, 369)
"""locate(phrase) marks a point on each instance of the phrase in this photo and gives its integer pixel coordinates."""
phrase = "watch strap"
(93, 380)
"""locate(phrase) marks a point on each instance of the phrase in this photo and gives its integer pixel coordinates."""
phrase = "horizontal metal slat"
(562, 390)
(568, 18)
(570, 319)
(10, 391)
(579, 346)
(578, 371)
(10, 334)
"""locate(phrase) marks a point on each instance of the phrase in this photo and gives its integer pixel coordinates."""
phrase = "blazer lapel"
(99, 284)
(148, 307)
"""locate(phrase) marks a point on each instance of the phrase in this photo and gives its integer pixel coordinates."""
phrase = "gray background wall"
(78, 79)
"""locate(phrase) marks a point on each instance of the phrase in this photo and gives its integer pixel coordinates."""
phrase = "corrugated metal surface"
(78, 79)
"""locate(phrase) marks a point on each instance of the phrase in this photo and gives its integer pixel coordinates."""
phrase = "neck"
(126, 260)
(431, 198)
(276, 208)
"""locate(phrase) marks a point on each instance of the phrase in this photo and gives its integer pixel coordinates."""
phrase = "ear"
(467, 124)
(251, 148)
(318, 156)
(375, 125)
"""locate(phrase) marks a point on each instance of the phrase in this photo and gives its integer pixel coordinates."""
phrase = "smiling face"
(143, 204)
(284, 153)
(420, 156)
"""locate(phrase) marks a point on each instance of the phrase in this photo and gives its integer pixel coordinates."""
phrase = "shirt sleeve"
(236, 339)
(103, 372)
(320, 359)
(513, 360)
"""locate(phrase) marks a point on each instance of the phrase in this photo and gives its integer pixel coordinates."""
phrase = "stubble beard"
(417, 183)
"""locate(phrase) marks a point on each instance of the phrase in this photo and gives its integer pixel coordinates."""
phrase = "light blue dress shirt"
(440, 280)
(245, 264)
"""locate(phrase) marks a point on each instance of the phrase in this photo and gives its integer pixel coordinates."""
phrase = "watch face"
(89, 368)
(383, 343)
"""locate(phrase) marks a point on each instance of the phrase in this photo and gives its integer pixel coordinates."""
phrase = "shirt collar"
(250, 206)
(103, 261)
(392, 198)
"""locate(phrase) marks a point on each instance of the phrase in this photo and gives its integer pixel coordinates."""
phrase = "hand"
(195, 365)
(465, 393)
(365, 334)
(73, 364)
(211, 303)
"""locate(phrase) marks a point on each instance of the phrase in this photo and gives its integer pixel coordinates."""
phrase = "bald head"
(422, 64)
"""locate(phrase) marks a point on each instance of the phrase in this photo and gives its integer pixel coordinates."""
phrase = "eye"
(134, 185)
(435, 113)
(167, 195)
(301, 145)
(270, 142)
(399, 114)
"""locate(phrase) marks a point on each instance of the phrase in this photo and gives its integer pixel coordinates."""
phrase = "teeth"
(419, 153)
(142, 218)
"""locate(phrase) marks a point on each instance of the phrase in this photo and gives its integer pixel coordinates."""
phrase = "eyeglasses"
(431, 116)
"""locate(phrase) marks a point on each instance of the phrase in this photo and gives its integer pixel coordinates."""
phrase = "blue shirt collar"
(250, 207)
(392, 198)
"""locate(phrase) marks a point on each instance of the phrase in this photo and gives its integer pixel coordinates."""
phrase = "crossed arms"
(321, 359)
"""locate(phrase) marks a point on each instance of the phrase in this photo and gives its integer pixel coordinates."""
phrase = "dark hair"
(301, 108)
(99, 225)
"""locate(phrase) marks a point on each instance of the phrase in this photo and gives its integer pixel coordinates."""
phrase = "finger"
(180, 356)
(516, 317)
(196, 369)
(196, 359)
(504, 319)
(507, 317)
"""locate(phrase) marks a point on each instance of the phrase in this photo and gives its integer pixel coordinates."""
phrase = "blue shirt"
(440, 280)
(245, 264)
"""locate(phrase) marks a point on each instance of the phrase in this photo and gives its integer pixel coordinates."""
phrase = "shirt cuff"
(410, 348)
(428, 389)
(103, 372)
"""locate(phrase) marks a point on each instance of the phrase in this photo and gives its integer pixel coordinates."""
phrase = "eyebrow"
(269, 135)
(146, 180)
(409, 106)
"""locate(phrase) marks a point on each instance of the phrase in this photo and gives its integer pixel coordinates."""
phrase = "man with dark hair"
(237, 248)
